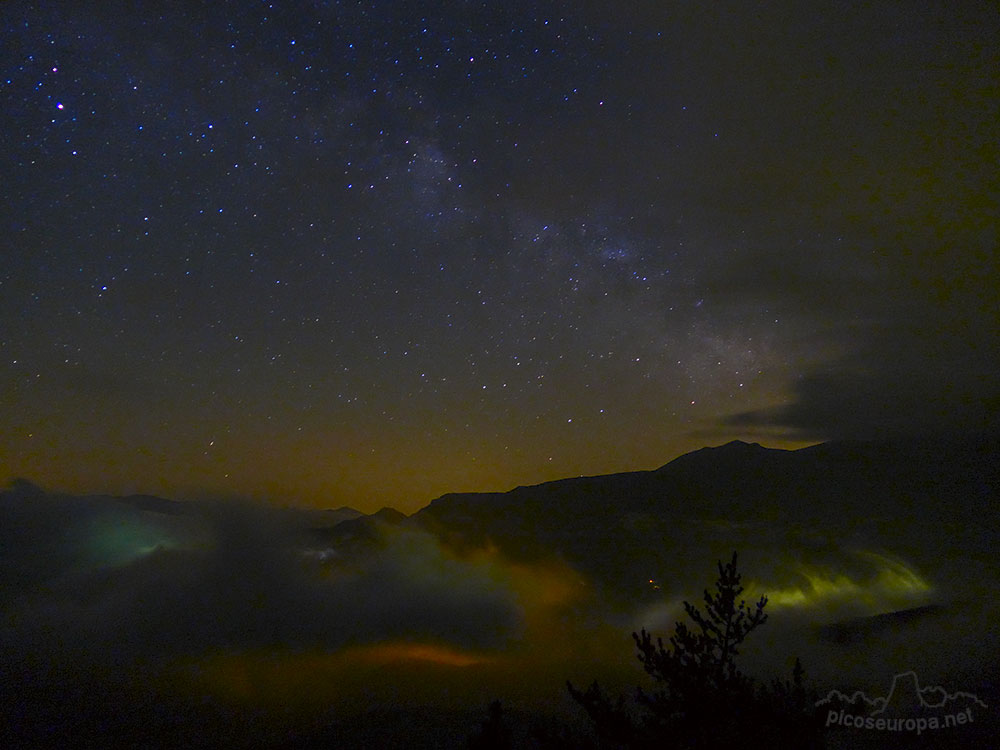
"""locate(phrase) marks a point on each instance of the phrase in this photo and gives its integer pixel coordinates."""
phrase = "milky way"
(362, 253)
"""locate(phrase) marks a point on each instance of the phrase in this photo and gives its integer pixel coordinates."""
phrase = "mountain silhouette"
(622, 528)
(741, 480)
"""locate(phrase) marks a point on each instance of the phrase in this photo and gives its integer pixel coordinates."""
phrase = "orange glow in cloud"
(385, 653)
(421, 671)
(391, 673)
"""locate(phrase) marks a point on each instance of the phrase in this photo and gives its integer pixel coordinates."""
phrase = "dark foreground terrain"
(144, 622)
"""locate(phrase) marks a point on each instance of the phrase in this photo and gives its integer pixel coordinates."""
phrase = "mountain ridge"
(897, 496)
(739, 457)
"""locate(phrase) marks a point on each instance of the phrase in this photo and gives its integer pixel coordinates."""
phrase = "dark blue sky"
(366, 253)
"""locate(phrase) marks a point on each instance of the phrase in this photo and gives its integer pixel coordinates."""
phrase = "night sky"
(366, 253)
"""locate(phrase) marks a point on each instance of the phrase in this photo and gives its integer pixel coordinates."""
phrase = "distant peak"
(734, 450)
(741, 445)
(388, 515)
(733, 446)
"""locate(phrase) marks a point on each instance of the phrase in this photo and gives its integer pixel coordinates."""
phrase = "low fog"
(300, 621)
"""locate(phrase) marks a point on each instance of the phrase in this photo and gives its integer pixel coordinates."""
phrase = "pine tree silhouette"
(701, 698)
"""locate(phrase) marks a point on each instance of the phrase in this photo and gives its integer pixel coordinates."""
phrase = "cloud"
(98, 580)
(209, 603)
(927, 381)
(133, 618)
